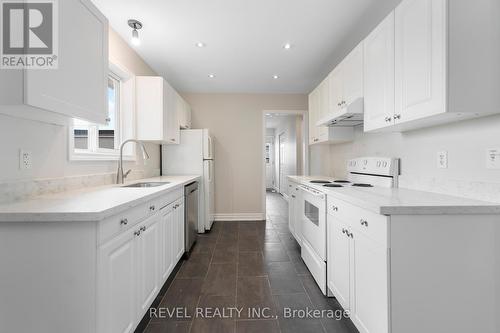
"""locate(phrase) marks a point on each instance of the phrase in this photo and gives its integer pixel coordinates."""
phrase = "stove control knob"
(378, 164)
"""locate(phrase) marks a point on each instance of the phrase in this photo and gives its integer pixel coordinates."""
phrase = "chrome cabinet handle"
(293, 196)
(335, 208)
(152, 207)
(124, 222)
(397, 116)
(143, 228)
(344, 231)
(137, 233)
(388, 119)
(364, 222)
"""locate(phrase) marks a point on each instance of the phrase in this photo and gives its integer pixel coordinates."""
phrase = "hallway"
(247, 265)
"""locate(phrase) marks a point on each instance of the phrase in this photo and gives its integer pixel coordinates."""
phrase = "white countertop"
(89, 204)
(400, 201)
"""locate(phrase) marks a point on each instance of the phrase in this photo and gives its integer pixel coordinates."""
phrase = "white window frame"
(94, 153)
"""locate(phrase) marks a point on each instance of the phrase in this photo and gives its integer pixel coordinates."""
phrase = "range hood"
(349, 116)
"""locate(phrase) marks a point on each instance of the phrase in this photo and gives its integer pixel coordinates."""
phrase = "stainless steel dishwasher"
(191, 214)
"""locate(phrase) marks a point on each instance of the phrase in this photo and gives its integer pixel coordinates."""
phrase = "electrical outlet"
(442, 159)
(25, 160)
(493, 158)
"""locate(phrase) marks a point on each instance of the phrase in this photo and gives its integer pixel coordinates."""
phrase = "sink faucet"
(120, 176)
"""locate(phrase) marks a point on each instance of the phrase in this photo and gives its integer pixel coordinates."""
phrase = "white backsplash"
(26, 189)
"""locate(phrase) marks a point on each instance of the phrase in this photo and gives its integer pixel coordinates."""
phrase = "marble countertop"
(89, 204)
(401, 201)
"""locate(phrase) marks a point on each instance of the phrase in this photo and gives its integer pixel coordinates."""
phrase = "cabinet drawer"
(120, 222)
(361, 220)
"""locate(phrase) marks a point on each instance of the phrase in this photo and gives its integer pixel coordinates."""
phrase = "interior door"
(269, 160)
(420, 56)
(379, 75)
(282, 166)
(338, 261)
(117, 272)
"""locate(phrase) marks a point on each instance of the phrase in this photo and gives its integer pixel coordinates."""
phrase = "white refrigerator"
(194, 156)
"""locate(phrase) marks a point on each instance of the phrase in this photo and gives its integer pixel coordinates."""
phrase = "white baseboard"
(240, 217)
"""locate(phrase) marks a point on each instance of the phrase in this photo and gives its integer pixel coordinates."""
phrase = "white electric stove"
(362, 173)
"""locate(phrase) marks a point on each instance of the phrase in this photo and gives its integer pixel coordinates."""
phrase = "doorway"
(285, 150)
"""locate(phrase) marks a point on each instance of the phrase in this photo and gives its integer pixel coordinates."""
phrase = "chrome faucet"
(120, 176)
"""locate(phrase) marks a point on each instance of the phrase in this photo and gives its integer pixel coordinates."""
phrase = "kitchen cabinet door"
(324, 98)
(370, 308)
(338, 258)
(148, 263)
(179, 211)
(117, 285)
(167, 250)
(379, 76)
(292, 202)
(352, 77)
(420, 58)
(78, 87)
(313, 113)
(336, 89)
(157, 118)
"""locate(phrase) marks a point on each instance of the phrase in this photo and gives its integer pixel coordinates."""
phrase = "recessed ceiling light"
(287, 46)
(200, 44)
(211, 76)
(276, 77)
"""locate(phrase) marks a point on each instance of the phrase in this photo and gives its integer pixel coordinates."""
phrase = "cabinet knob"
(335, 208)
(152, 207)
(397, 116)
(137, 233)
(143, 228)
(388, 119)
(364, 222)
(124, 222)
(344, 231)
(293, 196)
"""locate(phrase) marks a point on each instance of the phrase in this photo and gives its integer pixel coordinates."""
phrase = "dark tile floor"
(246, 265)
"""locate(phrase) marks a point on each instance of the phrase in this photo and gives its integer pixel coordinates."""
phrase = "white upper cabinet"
(184, 113)
(319, 106)
(352, 75)
(379, 76)
(420, 59)
(446, 61)
(157, 116)
(78, 87)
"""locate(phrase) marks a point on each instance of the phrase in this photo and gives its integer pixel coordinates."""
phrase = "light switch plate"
(25, 160)
(442, 159)
(493, 158)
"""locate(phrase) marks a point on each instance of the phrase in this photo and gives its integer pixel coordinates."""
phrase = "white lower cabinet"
(358, 265)
(148, 263)
(135, 264)
(117, 270)
(294, 207)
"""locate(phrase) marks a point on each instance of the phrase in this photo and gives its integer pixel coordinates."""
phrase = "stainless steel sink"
(147, 184)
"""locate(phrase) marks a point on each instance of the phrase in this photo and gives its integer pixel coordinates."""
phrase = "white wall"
(235, 121)
(466, 143)
(49, 143)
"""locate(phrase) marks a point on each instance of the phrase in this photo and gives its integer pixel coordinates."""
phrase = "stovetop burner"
(333, 185)
(320, 182)
(342, 181)
(362, 185)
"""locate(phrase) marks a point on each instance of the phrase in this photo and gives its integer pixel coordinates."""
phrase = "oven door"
(313, 218)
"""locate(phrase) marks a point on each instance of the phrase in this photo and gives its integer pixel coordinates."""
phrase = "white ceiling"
(244, 39)
(276, 120)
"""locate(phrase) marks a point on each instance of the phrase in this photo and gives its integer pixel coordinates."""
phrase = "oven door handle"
(312, 192)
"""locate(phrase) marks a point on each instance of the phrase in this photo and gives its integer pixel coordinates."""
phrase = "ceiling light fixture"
(135, 25)
(200, 44)
(287, 46)
(211, 76)
(276, 77)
